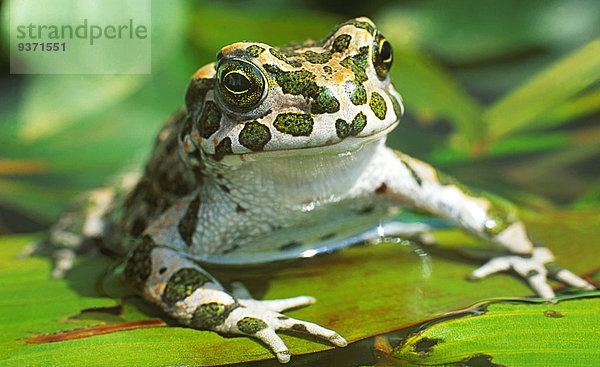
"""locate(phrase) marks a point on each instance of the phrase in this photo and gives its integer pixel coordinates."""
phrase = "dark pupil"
(236, 82)
(386, 51)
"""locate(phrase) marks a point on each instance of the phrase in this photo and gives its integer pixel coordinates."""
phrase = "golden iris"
(241, 83)
(383, 56)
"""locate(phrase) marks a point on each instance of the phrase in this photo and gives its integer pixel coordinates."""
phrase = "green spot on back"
(299, 83)
(302, 83)
(254, 135)
(341, 43)
(292, 62)
(291, 57)
(254, 50)
(325, 102)
(361, 25)
(295, 124)
(358, 94)
(378, 105)
(358, 64)
(317, 58)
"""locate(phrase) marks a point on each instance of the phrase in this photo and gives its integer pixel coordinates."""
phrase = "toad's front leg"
(188, 293)
(418, 184)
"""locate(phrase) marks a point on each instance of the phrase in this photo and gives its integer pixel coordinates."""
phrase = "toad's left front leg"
(420, 185)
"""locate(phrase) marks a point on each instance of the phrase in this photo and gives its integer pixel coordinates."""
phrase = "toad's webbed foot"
(261, 320)
(535, 269)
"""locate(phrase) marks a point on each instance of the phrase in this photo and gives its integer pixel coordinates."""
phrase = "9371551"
(42, 46)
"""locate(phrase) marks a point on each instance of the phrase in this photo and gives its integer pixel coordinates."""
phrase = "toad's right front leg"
(188, 293)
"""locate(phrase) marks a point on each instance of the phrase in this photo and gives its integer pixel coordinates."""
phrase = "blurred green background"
(505, 95)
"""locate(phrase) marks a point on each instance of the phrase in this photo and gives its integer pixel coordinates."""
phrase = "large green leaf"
(512, 334)
(361, 291)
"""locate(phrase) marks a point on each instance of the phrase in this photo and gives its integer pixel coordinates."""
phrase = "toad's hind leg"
(82, 226)
(79, 228)
(191, 295)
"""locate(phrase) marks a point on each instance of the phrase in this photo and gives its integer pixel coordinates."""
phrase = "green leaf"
(517, 145)
(571, 110)
(31, 302)
(590, 199)
(512, 334)
(43, 110)
(544, 91)
(361, 291)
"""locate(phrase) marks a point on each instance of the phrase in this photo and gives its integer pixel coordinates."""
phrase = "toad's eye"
(383, 55)
(242, 84)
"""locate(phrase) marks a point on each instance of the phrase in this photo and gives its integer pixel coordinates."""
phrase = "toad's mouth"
(344, 146)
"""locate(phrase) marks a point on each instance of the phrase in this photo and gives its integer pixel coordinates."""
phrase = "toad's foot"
(535, 269)
(63, 258)
(195, 298)
(261, 320)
